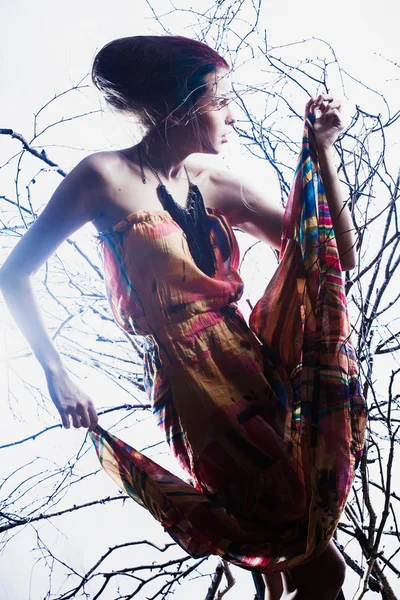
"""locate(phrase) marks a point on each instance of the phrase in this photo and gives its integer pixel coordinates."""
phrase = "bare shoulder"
(105, 164)
(247, 205)
(75, 202)
(237, 194)
(215, 173)
(219, 187)
(119, 182)
(93, 172)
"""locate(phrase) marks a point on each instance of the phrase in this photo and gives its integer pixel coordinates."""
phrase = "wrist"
(325, 148)
(326, 159)
(53, 367)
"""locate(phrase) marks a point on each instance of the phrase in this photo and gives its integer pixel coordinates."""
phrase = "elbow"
(3, 278)
(348, 262)
(7, 277)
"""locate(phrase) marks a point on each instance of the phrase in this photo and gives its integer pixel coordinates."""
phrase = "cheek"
(217, 125)
(211, 121)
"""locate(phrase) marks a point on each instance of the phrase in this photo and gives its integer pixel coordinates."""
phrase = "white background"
(45, 48)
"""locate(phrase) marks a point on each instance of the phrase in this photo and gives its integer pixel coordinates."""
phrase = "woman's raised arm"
(254, 212)
(75, 202)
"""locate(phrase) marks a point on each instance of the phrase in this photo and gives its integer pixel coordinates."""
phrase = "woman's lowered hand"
(73, 404)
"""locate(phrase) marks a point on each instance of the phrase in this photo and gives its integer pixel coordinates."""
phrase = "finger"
(318, 101)
(76, 419)
(334, 112)
(308, 106)
(65, 419)
(326, 107)
(324, 98)
(310, 101)
(84, 415)
(324, 101)
(94, 419)
(315, 104)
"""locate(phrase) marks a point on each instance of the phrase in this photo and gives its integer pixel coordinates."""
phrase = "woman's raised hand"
(330, 122)
(71, 402)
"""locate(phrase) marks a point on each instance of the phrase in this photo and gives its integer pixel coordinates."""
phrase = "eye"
(221, 102)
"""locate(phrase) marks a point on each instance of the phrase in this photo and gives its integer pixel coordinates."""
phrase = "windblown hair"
(153, 76)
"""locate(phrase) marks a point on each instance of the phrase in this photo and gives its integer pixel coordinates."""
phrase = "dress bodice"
(154, 286)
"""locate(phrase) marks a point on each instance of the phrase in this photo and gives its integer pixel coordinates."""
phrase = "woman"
(170, 270)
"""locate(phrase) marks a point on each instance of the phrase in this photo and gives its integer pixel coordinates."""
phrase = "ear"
(179, 116)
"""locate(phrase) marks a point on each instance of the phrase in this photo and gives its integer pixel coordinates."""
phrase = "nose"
(230, 117)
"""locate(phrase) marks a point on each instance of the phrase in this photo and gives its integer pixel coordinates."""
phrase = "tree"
(271, 86)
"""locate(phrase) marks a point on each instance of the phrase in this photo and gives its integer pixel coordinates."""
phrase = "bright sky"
(47, 46)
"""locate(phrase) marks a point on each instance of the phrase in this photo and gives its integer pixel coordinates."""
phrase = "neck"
(167, 156)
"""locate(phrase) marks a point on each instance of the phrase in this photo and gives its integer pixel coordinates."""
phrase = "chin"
(211, 144)
(215, 147)
(211, 150)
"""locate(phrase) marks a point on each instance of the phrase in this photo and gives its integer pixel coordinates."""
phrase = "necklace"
(193, 220)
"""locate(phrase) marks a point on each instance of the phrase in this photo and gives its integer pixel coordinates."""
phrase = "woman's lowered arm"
(72, 205)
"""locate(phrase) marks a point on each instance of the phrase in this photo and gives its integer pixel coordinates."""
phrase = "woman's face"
(214, 113)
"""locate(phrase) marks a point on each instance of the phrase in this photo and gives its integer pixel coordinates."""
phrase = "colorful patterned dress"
(268, 419)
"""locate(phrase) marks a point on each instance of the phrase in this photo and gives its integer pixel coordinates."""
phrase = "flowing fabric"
(267, 420)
